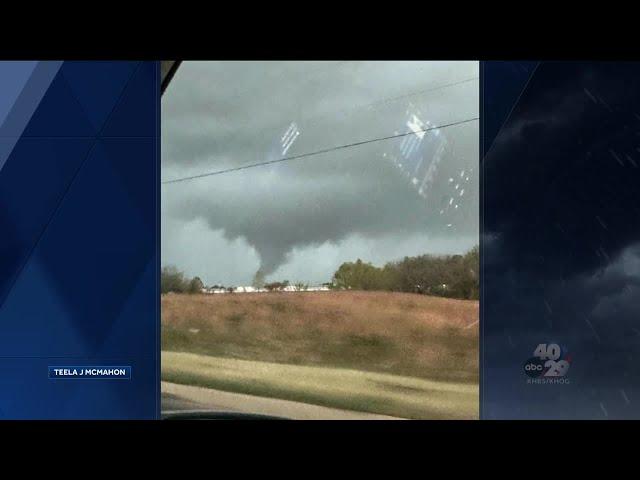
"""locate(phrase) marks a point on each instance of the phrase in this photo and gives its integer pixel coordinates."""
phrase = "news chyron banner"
(79, 314)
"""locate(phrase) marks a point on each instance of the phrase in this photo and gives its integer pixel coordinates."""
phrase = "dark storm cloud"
(561, 263)
(277, 208)
(235, 111)
(572, 167)
(222, 115)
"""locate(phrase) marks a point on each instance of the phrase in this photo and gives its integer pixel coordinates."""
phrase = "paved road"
(185, 397)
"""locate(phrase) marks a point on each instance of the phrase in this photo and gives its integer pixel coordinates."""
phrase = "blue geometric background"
(78, 237)
(561, 237)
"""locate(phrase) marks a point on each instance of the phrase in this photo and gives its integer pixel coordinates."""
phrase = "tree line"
(173, 280)
(455, 276)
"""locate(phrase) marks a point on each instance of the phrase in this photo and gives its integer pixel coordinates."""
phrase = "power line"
(317, 152)
(413, 94)
(375, 103)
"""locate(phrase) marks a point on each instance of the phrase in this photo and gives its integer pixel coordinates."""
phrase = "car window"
(320, 239)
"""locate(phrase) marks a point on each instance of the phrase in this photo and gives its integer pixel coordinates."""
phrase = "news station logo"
(549, 365)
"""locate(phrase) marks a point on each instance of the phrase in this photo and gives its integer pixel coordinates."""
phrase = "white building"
(251, 289)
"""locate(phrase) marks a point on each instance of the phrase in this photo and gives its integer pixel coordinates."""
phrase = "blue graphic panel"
(78, 217)
(504, 83)
(561, 245)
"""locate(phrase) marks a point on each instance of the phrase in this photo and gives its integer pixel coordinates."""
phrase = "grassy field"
(425, 348)
(381, 393)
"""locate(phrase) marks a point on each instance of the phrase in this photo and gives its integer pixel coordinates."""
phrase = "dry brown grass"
(356, 390)
(403, 334)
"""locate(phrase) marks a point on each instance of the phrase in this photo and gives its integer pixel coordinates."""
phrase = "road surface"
(186, 397)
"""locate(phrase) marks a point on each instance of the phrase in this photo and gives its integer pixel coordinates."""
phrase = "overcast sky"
(300, 219)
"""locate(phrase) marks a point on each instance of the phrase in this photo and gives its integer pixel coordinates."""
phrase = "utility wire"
(412, 94)
(317, 152)
(375, 103)
(354, 108)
